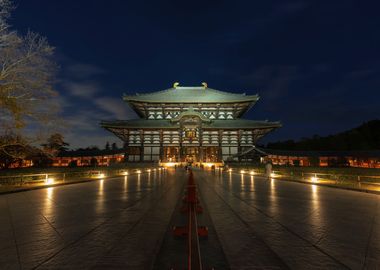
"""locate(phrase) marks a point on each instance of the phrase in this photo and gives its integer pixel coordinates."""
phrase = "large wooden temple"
(189, 124)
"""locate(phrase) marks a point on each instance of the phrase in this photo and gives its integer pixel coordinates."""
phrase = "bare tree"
(13, 148)
(5, 8)
(26, 79)
(55, 144)
(27, 74)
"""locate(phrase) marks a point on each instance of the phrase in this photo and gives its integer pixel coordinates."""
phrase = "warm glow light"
(314, 179)
(169, 164)
(252, 172)
(125, 173)
(138, 171)
(148, 170)
(101, 175)
(242, 171)
(230, 170)
(49, 181)
(273, 175)
(50, 193)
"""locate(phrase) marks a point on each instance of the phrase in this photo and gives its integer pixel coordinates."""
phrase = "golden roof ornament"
(204, 85)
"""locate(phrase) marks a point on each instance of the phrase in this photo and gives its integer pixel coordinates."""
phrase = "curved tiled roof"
(193, 94)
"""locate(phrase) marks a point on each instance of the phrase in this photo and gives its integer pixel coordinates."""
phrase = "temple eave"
(228, 124)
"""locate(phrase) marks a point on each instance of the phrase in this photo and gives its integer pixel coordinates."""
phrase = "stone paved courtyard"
(125, 223)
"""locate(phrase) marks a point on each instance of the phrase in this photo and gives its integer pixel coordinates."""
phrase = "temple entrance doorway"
(171, 154)
(211, 154)
(191, 154)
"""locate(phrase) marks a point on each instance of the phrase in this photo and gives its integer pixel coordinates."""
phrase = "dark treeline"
(107, 147)
(364, 137)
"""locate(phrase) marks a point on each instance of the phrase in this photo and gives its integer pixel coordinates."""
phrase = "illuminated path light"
(49, 181)
(291, 225)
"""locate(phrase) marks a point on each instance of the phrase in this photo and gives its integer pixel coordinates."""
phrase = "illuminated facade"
(361, 159)
(189, 124)
(88, 158)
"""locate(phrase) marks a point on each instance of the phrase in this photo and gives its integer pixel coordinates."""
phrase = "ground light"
(230, 170)
(273, 175)
(314, 179)
(170, 164)
(49, 181)
(209, 164)
(125, 173)
(101, 175)
(138, 171)
(148, 170)
(242, 171)
(252, 172)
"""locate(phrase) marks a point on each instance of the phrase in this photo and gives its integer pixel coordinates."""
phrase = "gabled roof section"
(191, 94)
(190, 112)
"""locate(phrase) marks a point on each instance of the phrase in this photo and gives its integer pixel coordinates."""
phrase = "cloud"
(82, 140)
(84, 89)
(115, 106)
(83, 128)
(84, 120)
(84, 105)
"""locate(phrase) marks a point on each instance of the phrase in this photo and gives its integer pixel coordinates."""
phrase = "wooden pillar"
(180, 150)
(200, 138)
(239, 135)
(161, 146)
(220, 154)
(141, 145)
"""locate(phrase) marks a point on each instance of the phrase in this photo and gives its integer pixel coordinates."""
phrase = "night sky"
(315, 64)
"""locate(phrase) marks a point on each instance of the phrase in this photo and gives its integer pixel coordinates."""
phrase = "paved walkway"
(116, 223)
(125, 223)
(305, 226)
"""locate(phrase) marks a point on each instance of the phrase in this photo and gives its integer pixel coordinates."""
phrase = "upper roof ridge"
(189, 87)
(190, 94)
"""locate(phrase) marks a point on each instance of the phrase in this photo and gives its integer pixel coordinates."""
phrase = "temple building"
(189, 124)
